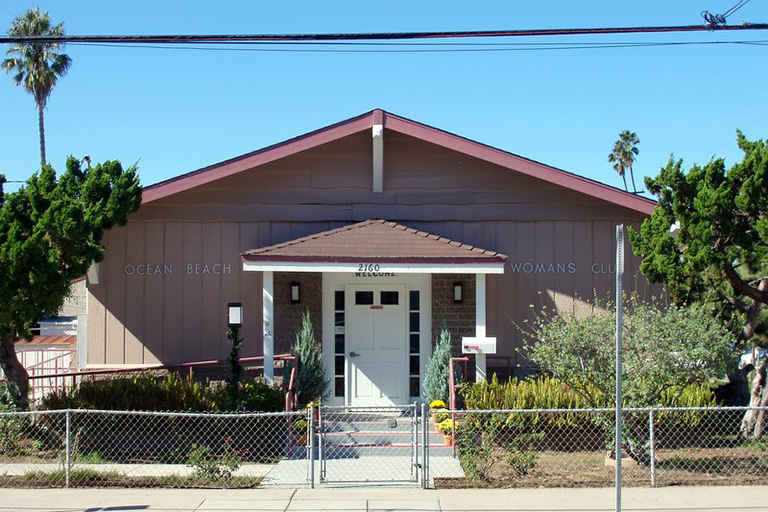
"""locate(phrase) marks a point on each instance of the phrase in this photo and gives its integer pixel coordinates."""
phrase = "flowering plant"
(437, 404)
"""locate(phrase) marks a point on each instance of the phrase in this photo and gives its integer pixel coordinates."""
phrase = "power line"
(718, 20)
(371, 36)
(442, 48)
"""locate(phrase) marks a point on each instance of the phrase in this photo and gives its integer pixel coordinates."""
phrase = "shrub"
(438, 368)
(258, 396)
(146, 392)
(311, 378)
(212, 467)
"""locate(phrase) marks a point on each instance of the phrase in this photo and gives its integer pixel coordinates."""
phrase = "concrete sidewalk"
(672, 499)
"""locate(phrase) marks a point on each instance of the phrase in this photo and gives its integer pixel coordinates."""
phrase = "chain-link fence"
(570, 447)
(409, 445)
(147, 449)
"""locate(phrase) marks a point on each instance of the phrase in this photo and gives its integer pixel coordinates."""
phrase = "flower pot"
(301, 439)
(447, 440)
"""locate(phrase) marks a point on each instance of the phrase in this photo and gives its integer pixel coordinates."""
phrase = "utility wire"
(719, 20)
(446, 48)
(371, 36)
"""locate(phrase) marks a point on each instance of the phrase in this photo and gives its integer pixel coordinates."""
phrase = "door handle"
(353, 354)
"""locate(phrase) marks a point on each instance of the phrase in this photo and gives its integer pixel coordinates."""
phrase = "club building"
(383, 228)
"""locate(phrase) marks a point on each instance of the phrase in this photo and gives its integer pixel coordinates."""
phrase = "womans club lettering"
(562, 267)
(190, 269)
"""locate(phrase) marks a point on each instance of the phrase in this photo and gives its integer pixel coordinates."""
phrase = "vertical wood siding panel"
(252, 235)
(230, 284)
(173, 294)
(604, 256)
(191, 349)
(97, 326)
(135, 293)
(154, 304)
(563, 253)
(116, 298)
(507, 291)
(582, 257)
(526, 283)
(544, 255)
(213, 309)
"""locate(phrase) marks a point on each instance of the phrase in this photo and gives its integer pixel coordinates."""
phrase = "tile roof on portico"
(374, 241)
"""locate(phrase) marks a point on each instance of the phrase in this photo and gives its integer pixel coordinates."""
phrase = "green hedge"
(146, 392)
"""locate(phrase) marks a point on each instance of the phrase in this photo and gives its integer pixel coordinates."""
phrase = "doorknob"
(353, 354)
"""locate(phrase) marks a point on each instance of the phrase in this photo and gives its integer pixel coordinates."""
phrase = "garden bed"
(697, 466)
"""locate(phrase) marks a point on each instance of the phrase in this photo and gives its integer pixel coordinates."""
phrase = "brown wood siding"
(176, 317)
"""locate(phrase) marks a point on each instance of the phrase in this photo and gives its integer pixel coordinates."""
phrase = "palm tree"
(623, 156)
(37, 66)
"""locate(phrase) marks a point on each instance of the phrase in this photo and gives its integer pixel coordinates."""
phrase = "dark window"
(339, 301)
(339, 369)
(338, 386)
(414, 343)
(415, 391)
(414, 327)
(339, 344)
(390, 298)
(339, 319)
(363, 298)
(414, 365)
(414, 300)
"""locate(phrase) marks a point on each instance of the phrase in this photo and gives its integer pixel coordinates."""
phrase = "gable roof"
(408, 127)
(374, 241)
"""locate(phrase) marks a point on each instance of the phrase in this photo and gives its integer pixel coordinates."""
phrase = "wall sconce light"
(457, 290)
(295, 293)
(234, 314)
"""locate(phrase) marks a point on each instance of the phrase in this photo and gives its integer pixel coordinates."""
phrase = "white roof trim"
(400, 268)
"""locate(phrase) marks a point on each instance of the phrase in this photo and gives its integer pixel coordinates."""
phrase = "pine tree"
(438, 369)
(312, 382)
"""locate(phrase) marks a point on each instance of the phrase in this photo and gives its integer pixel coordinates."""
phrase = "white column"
(378, 158)
(480, 331)
(268, 315)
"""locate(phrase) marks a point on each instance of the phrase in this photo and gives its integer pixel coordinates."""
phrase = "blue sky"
(174, 111)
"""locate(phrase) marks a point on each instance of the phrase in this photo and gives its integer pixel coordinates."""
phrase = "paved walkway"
(666, 499)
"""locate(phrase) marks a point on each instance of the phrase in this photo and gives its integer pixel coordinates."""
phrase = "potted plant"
(438, 417)
(447, 427)
(300, 428)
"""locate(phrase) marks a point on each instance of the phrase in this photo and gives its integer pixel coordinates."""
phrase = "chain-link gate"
(369, 444)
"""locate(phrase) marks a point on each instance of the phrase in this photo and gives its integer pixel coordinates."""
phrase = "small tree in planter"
(311, 378)
(438, 369)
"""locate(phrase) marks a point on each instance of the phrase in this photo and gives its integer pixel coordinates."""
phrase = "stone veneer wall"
(288, 314)
(459, 317)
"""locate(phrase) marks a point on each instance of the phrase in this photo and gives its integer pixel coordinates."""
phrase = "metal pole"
(311, 444)
(415, 443)
(619, 321)
(67, 450)
(320, 442)
(652, 448)
(424, 447)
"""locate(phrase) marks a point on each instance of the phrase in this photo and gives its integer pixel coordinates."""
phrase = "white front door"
(376, 344)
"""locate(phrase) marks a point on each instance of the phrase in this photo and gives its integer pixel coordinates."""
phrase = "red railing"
(47, 369)
(290, 396)
(453, 386)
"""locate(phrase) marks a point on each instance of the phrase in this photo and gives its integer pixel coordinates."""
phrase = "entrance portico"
(377, 316)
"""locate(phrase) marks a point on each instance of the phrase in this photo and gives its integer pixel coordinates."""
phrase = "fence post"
(415, 443)
(652, 448)
(67, 450)
(424, 447)
(311, 444)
